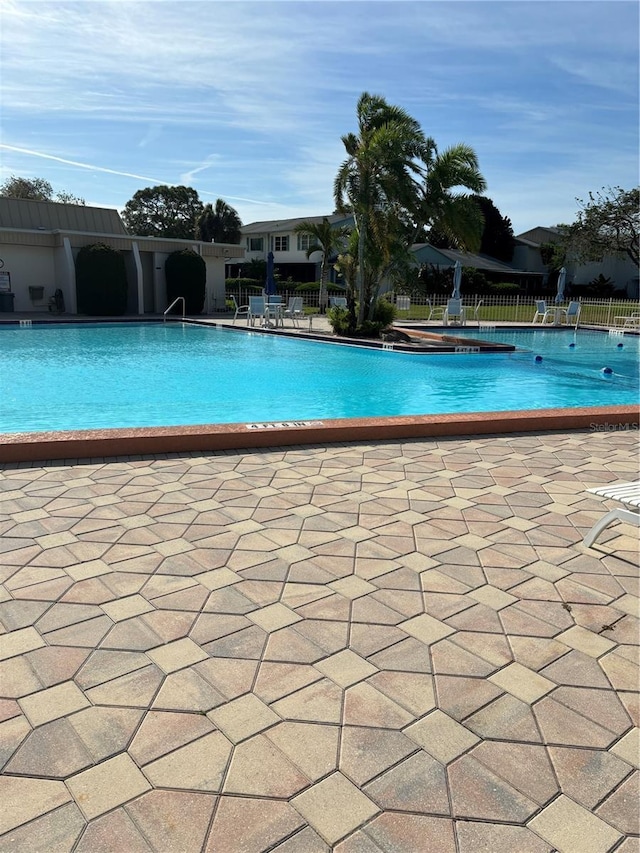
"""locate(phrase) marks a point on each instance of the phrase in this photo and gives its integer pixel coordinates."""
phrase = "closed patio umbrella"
(457, 280)
(270, 284)
(562, 276)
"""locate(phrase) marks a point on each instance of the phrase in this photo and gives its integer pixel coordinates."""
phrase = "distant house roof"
(523, 242)
(447, 257)
(539, 234)
(273, 226)
(53, 216)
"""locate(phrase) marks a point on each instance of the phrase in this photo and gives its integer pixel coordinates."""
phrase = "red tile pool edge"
(82, 444)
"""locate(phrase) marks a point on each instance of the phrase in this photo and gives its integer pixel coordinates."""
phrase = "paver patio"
(400, 647)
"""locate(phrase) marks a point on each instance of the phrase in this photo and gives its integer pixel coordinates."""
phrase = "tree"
(256, 268)
(454, 216)
(347, 266)
(378, 173)
(397, 186)
(219, 224)
(36, 189)
(497, 232)
(163, 211)
(607, 224)
(327, 240)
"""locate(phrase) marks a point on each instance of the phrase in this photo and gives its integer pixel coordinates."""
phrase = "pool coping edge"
(82, 444)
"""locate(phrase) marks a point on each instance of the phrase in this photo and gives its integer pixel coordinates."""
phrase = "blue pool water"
(64, 377)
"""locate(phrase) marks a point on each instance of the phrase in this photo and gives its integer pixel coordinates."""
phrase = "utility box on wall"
(36, 294)
(6, 301)
(6, 297)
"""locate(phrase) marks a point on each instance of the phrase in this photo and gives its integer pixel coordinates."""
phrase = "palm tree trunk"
(360, 271)
(323, 297)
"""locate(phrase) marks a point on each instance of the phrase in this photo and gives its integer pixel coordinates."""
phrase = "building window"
(255, 244)
(280, 244)
(305, 241)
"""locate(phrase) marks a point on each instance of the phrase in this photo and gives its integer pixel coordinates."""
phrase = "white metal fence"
(493, 308)
(516, 309)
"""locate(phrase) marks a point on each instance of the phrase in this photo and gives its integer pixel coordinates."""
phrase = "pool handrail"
(177, 299)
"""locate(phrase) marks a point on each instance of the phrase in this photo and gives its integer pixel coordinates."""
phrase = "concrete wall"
(622, 272)
(215, 298)
(47, 260)
(132, 282)
(30, 266)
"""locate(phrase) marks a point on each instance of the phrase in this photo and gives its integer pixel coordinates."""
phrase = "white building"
(39, 242)
(289, 249)
(621, 270)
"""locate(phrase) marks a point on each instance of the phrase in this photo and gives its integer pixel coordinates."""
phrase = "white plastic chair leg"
(627, 515)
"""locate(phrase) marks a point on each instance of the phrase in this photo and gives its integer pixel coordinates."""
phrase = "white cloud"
(90, 166)
(247, 100)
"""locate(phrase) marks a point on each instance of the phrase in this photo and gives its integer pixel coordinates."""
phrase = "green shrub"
(370, 329)
(186, 274)
(101, 281)
(314, 286)
(600, 287)
(505, 288)
(384, 313)
(431, 279)
(474, 281)
(383, 316)
(233, 285)
(338, 320)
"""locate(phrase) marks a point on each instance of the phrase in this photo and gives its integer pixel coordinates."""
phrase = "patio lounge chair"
(337, 301)
(294, 310)
(543, 312)
(240, 310)
(435, 313)
(257, 308)
(627, 494)
(632, 321)
(454, 312)
(569, 316)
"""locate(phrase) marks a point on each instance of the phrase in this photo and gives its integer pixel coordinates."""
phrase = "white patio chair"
(435, 313)
(627, 494)
(454, 312)
(543, 312)
(569, 316)
(631, 321)
(294, 310)
(257, 309)
(337, 301)
(240, 310)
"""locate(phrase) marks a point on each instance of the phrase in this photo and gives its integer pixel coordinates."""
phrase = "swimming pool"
(81, 377)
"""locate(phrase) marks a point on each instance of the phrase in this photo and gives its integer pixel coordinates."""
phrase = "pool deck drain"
(391, 647)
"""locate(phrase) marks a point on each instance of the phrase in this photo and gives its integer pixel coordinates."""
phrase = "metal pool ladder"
(177, 299)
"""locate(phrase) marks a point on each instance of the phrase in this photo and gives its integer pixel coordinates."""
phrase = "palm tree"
(326, 239)
(455, 216)
(382, 160)
(219, 224)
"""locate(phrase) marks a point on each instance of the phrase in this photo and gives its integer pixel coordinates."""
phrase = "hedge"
(101, 281)
(186, 275)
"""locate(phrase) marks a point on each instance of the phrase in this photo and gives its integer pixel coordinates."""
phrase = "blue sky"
(247, 101)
